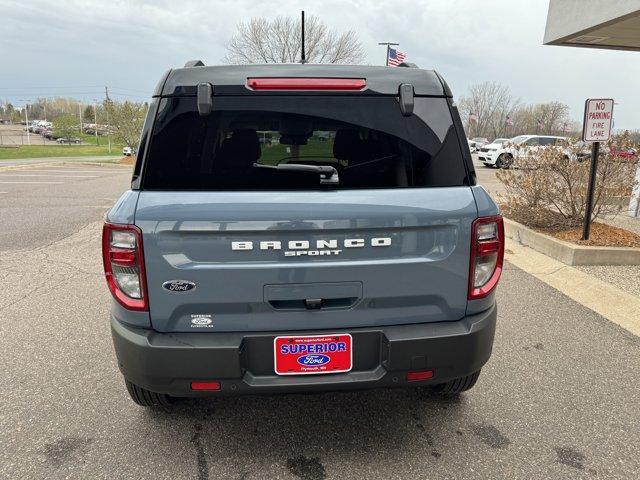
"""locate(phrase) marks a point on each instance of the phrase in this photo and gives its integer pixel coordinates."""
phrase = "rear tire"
(147, 398)
(458, 385)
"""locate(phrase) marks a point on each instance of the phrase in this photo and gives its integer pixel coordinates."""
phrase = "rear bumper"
(243, 362)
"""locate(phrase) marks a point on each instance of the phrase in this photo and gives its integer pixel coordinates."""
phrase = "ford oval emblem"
(178, 285)
(201, 321)
(313, 359)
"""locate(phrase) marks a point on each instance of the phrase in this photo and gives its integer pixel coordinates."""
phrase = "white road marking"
(45, 175)
(45, 183)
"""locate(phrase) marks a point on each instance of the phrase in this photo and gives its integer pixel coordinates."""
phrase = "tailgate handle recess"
(313, 303)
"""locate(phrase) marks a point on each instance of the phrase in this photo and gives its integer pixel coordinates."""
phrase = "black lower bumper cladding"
(243, 362)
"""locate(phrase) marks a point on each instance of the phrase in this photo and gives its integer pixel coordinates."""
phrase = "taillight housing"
(123, 259)
(487, 255)
(301, 83)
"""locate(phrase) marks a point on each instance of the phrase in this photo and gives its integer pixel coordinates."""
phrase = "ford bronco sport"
(301, 228)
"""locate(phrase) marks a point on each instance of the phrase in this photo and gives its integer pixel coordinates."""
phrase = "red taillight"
(123, 260)
(349, 84)
(419, 375)
(211, 386)
(487, 255)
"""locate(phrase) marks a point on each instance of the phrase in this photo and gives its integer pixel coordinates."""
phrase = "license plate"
(308, 355)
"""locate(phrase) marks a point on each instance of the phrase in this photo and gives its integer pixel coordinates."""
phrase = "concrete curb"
(27, 166)
(569, 253)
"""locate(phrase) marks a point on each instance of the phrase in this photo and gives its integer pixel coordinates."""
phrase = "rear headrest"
(242, 149)
(347, 145)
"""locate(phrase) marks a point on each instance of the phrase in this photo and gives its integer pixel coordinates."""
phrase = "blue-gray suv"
(301, 228)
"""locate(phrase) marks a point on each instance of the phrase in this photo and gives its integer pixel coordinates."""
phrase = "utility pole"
(106, 108)
(388, 44)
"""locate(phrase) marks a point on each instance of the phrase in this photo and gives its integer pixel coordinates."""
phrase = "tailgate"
(265, 261)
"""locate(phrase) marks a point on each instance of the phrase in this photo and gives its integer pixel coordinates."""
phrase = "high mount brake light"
(123, 260)
(487, 255)
(345, 84)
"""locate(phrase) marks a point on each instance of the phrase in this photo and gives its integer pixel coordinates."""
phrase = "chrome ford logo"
(313, 359)
(178, 285)
(201, 321)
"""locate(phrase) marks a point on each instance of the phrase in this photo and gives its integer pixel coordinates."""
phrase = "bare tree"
(261, 40)
(491, 104)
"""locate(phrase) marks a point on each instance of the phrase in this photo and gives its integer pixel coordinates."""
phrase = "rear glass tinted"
(366, 139)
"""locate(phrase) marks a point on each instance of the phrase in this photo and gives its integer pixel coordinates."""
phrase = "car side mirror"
(405, 92)
(205, 98)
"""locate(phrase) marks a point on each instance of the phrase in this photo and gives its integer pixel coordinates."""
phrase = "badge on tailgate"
(306, 355)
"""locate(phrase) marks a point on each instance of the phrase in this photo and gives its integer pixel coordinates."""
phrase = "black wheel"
(458, 385)
(146, 398)
(504, 161)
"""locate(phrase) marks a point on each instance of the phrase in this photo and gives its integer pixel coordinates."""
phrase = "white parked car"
(502, 154)
(127, 151)
(477, 142)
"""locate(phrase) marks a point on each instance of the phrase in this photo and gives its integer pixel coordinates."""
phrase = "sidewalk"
(624, 221)
(626, 278)
(610, 294)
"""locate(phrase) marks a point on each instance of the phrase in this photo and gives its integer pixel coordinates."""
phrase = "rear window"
(367, 140)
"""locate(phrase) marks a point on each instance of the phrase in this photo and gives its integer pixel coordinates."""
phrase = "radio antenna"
(303, 58)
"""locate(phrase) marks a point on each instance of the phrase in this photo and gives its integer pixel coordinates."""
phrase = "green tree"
(65, 126)
(88, 114)
(125, 121)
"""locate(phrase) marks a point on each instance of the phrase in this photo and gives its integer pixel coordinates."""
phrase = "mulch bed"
(601, 235)
(127, 160)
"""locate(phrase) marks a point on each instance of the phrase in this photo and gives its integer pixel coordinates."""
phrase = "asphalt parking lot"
(49, 202)
(559, 398)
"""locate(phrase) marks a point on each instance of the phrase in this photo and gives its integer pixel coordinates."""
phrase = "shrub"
(547, 187)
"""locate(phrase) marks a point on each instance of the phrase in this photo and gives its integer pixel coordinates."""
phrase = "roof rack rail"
(194, 63)
(408, 65)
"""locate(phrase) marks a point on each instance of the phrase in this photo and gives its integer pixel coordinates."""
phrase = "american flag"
(396, 57)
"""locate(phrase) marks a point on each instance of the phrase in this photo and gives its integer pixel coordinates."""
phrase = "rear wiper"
(328, 174)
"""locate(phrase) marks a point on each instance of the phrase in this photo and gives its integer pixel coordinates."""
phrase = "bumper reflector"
(419, 375)
(212, 386)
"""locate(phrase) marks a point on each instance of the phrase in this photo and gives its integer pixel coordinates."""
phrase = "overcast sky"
(74, 48)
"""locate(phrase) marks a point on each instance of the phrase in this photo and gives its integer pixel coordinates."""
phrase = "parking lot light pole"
(95, 118)
(26, 119)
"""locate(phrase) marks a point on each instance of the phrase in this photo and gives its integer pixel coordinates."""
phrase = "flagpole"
(388, 44)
